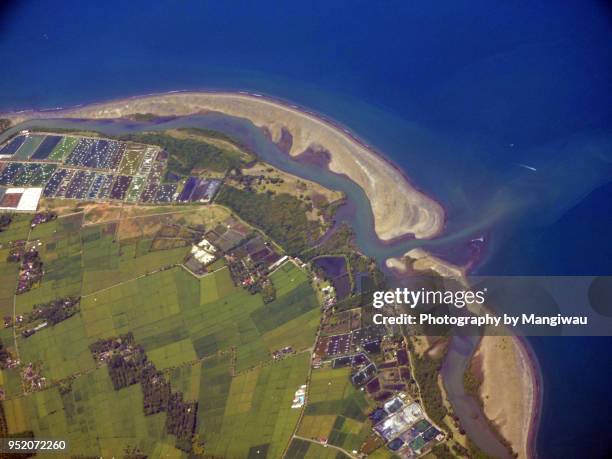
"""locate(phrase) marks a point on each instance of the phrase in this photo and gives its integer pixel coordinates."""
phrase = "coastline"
(399, 208)
(536, 402)
(506, 363)
(512, 408)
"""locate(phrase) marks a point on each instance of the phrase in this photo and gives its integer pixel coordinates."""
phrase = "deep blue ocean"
(461, 96)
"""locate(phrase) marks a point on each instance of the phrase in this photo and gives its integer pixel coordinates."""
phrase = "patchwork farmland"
(210, 340)
(169, 330)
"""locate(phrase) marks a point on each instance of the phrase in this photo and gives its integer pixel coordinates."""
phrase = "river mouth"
(356, 212)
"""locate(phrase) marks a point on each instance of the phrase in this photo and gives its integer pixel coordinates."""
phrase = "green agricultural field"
(17, 230)
(8, 280)
(303, 449)
(63, 149)
(256, 413)
(336, 410)
(211, 339)
(95, 419)
(45, 230)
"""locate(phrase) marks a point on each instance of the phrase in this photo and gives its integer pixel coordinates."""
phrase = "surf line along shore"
(399, 209)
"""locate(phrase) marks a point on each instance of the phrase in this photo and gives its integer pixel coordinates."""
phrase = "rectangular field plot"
(29, 146)
(63, 149)
(46, 147)
(63, 349)
(8, 280)
(149, 307)
(173, 354)
(302, 449)
(257, 411)
(336, 410)
(106, 264)
(17, 230)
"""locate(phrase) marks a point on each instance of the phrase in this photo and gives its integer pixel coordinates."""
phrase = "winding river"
(357, 213)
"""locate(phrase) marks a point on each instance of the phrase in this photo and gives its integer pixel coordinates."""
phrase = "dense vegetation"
(215, 135)
(472, 382)
(282, 216)
(426, 371)
(189, 154)
(341, 241)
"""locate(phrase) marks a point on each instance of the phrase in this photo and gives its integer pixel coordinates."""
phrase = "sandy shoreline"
(398, 207)
(506, 364)
(510, 377)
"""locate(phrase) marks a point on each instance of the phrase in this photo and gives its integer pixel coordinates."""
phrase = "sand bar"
(508, 389)
(399, 209)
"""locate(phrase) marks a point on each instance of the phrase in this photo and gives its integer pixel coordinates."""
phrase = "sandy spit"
(422, 262)
(508, 389)
(398, 207)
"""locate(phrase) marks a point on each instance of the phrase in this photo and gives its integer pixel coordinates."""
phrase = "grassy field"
(212, 340)
(17, 230)
(336, 410)
(302, 449)
(8, 280)
(256, 413)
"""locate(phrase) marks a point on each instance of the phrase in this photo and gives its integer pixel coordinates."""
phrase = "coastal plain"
(399, 209)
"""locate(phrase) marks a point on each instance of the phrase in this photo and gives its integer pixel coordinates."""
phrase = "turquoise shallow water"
(458, 95)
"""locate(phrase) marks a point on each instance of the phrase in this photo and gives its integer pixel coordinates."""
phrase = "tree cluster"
(282, 216)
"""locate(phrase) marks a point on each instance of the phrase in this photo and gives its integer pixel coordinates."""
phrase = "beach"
(399, 209)
(509, 384)
(506, 366)
(423, 262)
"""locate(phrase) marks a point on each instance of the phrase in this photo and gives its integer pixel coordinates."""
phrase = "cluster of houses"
(380, 367)
(31, 269)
